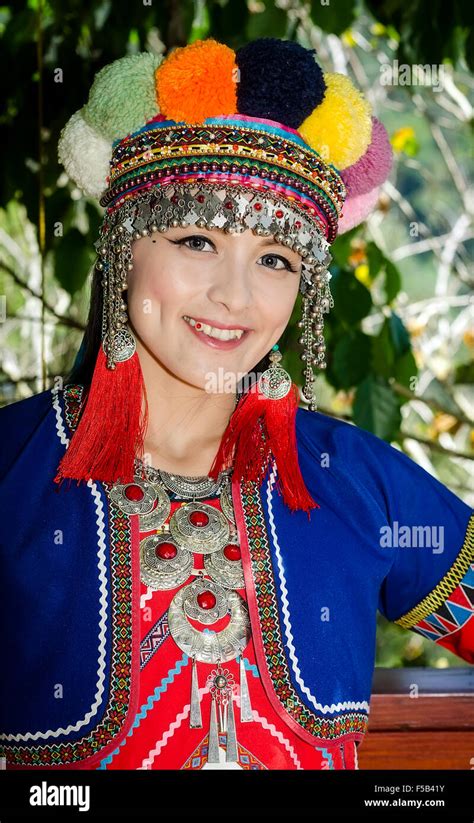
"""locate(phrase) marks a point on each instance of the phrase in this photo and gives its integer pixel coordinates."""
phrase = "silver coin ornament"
(138, 497)
(159, 514)
(122, 345)
(225, 566)
(163, 564)
(199, 528)
(208, 646)
(214, 606)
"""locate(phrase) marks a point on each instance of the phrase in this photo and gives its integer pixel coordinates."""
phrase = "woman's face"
(238, 282)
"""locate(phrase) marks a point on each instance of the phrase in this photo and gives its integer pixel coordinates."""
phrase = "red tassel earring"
(263, 424)
(111, 430)
(112, 427)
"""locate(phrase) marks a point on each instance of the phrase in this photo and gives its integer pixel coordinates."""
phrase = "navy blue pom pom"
(279, 80)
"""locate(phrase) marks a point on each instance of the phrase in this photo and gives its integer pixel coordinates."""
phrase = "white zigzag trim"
(333, 707)
(61, 432)
(147, 596)
(160, 744)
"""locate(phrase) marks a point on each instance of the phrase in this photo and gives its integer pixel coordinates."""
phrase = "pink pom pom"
(373, 167)
(356, 209)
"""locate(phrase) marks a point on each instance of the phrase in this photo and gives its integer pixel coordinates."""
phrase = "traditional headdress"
(256, 138)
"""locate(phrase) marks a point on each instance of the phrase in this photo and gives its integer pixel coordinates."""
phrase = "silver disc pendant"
(199, 528)
(226, 501)
(122, 345)
(190, 486)
(210, 647)
(225, 566)
(134, 498)
(159, 514)
(163, 564)
(205, 601)
(275, 382)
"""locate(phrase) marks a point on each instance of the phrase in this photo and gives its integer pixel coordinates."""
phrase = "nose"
(231, 283)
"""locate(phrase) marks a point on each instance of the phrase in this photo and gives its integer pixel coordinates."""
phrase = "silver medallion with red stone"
(225, 566)
(134, 498)
(163, 564)
(160, 512)
(205, 601)
(199, 528)
(208, 646)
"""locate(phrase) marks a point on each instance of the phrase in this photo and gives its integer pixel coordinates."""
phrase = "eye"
(194, 240)
(273, 257)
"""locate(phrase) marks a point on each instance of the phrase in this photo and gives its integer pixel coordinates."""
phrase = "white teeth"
(220, 334)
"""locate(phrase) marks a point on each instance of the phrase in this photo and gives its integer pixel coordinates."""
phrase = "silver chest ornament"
(166, 562)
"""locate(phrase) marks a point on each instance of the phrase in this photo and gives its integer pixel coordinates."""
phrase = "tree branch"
(66, 321)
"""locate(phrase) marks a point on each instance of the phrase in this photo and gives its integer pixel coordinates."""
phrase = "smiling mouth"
(211, 331)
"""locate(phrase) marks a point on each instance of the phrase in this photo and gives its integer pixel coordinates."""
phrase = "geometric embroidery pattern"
(198, 759)
(153, 640)
(453, 614)
(449, 604)
(267, 606)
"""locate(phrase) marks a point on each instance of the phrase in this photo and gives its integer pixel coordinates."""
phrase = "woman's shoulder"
(31, 422)
(317, 430)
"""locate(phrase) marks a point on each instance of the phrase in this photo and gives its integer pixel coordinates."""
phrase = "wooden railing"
(433, 730)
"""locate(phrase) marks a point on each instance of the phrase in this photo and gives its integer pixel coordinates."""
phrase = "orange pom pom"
(197, 81)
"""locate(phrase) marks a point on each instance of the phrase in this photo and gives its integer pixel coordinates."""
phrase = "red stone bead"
(279, 213)
(232, 552)
(257, 206)
(206, 600)
(199, 518)
(134, 492)
(166, 551)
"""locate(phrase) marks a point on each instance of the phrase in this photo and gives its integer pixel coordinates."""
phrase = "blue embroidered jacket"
(387, 535)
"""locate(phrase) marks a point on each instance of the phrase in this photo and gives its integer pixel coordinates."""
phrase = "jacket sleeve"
(429, 531)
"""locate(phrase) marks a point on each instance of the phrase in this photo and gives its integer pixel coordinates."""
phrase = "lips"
(214, 342)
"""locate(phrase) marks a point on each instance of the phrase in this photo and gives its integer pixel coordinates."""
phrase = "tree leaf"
(377, 408)
(352, 300)
(73, 260)
(351, 359)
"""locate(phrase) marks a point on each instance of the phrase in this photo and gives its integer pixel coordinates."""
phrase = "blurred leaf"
(341, 248)
(393, 281)
(334, 16)
(271, 22)
(73, 260)
(405, 369)
(377, 408)
(375, 259)
(351, 359)
(352, 300)
(399, 335)
(383, 351)
(201, 21)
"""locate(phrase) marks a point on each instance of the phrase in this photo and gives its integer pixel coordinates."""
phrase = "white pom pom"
(85, 155)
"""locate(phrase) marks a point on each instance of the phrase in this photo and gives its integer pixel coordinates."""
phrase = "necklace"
(166, 562)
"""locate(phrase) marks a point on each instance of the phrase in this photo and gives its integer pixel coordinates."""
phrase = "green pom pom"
(122, 97)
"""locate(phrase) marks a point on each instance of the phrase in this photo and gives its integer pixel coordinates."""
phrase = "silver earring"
(317, 301)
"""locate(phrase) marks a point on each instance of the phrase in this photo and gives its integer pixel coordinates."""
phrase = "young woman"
(192, 563)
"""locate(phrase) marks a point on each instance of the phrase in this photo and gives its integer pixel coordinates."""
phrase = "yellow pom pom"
(197, 81)
(340, 128)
